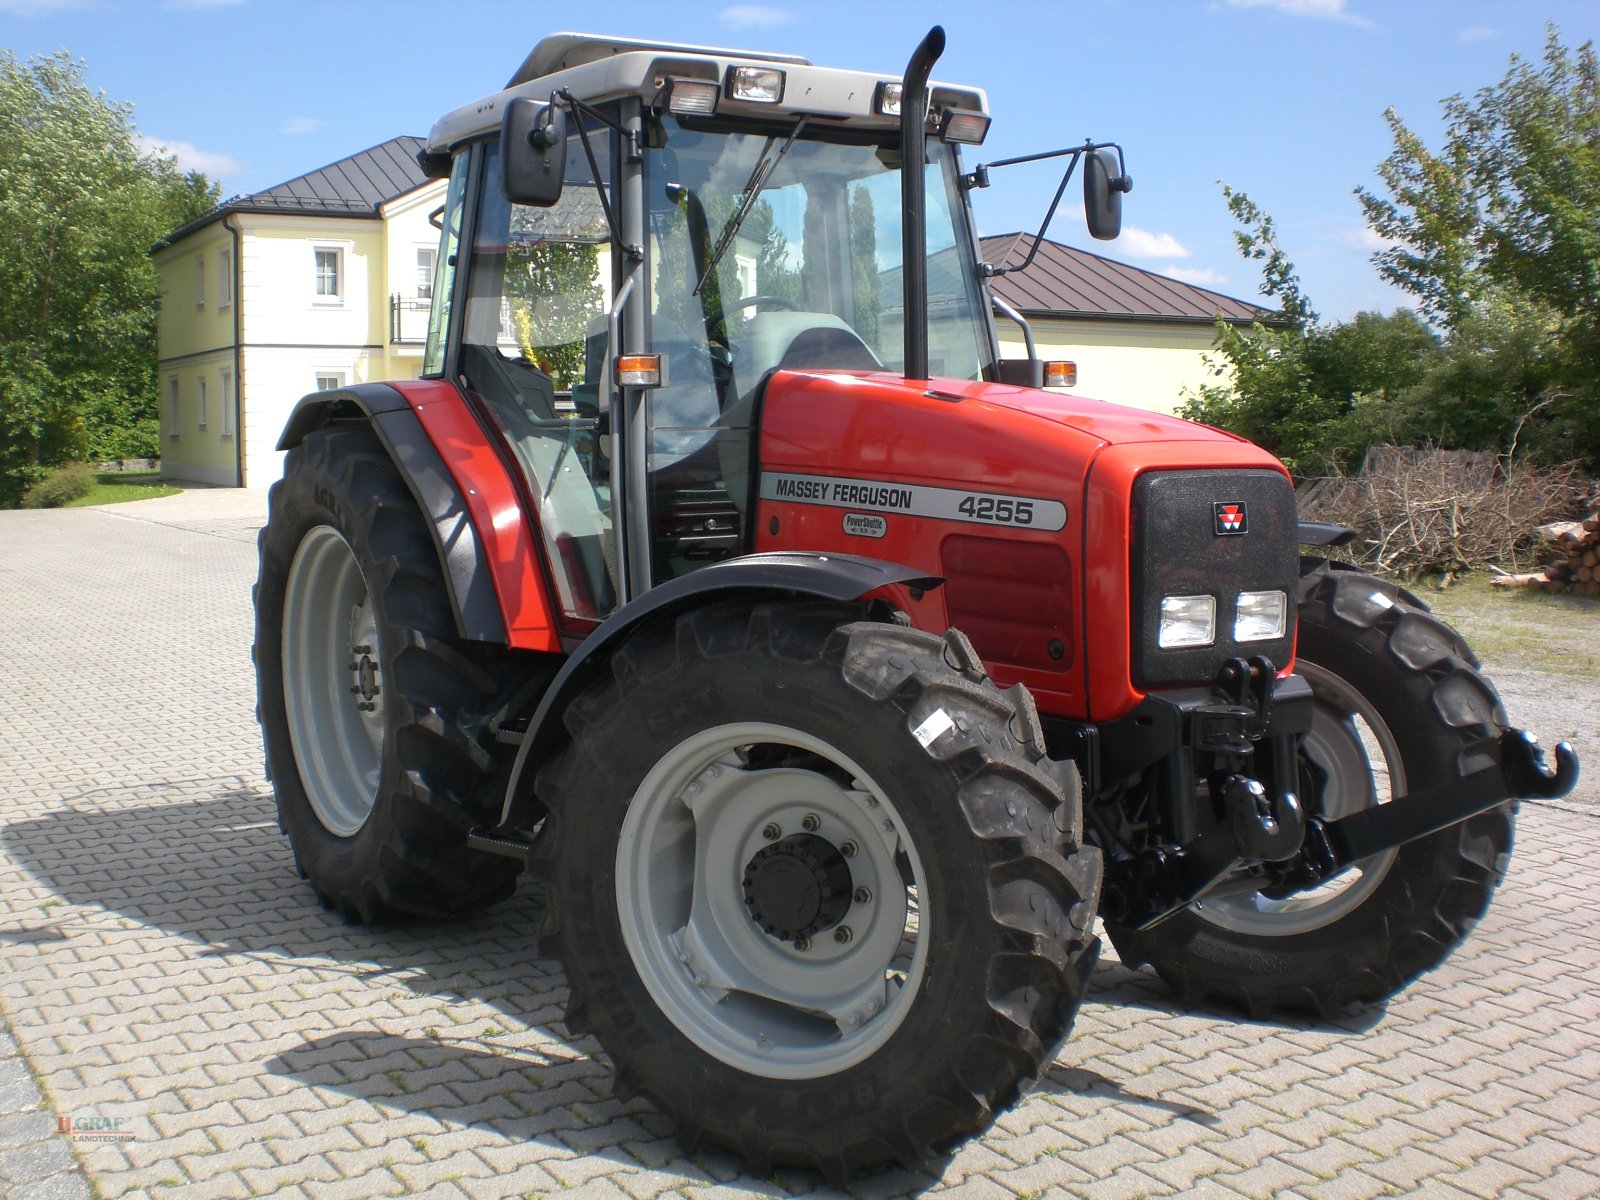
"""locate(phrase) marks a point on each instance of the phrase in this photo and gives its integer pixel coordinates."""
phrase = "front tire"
(1399, 706)
(817, 891)
(367, 699)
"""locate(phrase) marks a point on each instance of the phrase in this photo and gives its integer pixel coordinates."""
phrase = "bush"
(62, 486)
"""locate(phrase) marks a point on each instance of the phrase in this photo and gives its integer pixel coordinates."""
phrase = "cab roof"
(596, 68)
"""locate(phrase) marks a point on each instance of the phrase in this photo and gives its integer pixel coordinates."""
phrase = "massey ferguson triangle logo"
(1231, 518)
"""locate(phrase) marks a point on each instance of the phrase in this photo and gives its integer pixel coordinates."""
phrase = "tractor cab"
(643, 234)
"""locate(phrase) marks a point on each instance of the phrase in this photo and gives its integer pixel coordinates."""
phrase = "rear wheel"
(369, 704)
(1399, 706)
(817, 891)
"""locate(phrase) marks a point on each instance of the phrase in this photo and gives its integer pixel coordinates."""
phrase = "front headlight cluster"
(1188, 621)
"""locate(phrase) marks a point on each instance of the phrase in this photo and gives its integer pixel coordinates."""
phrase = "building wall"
(292, 339)
(1146, 365)
(196, 377)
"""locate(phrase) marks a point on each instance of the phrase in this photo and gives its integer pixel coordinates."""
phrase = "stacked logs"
(1575, 567)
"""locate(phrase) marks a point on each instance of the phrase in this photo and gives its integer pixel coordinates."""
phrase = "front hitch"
(1521, 774)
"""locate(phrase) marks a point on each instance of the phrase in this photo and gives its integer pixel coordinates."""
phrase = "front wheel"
(1399, 705)
(818, 893)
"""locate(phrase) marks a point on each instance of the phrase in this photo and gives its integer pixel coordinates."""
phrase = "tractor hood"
(1110, 424)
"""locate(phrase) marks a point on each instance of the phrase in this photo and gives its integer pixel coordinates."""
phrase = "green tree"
(80, 206)
(1315, 395)
(1496, 234)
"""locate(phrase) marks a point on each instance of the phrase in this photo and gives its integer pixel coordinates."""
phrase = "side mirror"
(1103, 185)
(533, 152)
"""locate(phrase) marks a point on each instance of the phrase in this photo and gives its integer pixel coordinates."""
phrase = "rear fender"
(488, 549)
(839, 577)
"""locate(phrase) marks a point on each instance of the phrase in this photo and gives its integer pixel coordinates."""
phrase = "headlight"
(1260, 616)
(1187, 621)
(764, 85)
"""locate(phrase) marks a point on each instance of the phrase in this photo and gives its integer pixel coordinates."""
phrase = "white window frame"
(200, 282)
(226, 400)
(335, 377)
(224, 279)
(428, 255)
(341, 278)
(201, 413)
(173, 406)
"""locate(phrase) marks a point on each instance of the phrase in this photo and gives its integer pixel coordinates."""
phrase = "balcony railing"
(408, 321)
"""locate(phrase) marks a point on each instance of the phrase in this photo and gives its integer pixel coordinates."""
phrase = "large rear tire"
(1399, 705)
(368, 701)
(818, 892)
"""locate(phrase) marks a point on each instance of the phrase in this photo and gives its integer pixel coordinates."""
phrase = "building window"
(224, 278)
(427, 256)
(225, 399)
(200, 282)
(327, 381)
(172, 406)
(201, 414)
(329, 273)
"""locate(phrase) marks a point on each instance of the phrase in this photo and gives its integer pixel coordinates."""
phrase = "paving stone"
(261, 1047)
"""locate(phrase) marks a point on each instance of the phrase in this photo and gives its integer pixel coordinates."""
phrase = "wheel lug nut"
(770, 831)
(849, 849)
(811, 822)
(802, 944)
(842, 934)
(863, 895)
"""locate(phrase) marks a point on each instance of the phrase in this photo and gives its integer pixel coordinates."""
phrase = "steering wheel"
(758, 299)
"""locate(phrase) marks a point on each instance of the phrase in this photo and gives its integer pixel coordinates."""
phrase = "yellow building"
(1138, 338)
(318, 282)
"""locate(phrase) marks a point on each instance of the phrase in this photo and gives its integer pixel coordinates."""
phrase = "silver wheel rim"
(332, 683)
(758, 1002)
(1356, 747)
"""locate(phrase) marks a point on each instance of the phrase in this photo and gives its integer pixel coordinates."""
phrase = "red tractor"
(831, 675)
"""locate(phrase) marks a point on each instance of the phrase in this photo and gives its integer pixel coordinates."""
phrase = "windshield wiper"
(758, 180)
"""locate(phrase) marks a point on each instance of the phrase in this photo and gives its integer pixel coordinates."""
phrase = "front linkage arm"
(1520, 774)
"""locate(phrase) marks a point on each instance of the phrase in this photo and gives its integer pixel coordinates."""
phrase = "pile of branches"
(1441, 512)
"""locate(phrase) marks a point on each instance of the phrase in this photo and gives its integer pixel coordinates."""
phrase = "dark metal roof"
(1067, 282)
(358, 186)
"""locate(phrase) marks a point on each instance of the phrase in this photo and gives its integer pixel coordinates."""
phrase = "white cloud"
(1141, 243)
(755, 16)
(1364, 239)
(40, 8)
(1478, 33)
(298, 125)
(1199, 276)
(192, 158)
(1327, 10)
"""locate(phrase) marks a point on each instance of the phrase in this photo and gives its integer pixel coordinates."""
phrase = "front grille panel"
(1178, 551)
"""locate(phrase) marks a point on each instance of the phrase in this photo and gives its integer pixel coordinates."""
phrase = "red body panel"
(510, 542)
(990, 438)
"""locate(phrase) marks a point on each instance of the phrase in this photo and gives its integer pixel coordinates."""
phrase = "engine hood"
(1110, 424)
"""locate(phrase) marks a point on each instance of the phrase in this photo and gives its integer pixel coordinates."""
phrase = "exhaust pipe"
(913, 204)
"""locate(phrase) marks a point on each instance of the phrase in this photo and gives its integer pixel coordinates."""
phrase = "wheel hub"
(798, 887)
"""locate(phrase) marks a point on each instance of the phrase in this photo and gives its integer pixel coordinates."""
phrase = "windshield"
(781, 247)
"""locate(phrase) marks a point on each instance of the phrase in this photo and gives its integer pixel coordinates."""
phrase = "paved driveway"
(208, 1031)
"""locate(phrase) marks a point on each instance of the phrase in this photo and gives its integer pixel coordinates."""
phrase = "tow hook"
(1268, 828)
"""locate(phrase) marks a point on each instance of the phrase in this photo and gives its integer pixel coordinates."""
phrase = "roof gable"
(357, 186)
(1066, 281)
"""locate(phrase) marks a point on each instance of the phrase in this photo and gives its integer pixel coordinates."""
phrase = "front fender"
(839, 577)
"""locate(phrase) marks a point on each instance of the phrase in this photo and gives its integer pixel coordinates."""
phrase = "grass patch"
(1519, 627)
(118, 487)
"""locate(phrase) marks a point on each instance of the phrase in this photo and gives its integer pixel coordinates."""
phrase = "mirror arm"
(1050, 213)
(579, 110)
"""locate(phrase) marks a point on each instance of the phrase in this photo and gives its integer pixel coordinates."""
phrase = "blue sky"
(1283, 99)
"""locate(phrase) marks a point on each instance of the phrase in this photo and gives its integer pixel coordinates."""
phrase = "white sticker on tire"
(935, 726)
